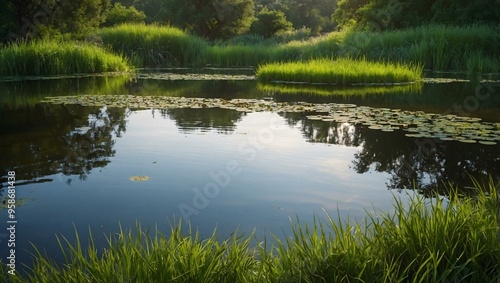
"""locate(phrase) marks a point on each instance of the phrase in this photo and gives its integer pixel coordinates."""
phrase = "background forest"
(224, 19)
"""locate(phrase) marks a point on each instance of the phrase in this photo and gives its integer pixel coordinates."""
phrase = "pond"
(103, 167)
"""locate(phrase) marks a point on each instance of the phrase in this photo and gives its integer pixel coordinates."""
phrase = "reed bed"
(440, 239)
(155, 46)
(438, 47)
(340, 71)
(42, 58)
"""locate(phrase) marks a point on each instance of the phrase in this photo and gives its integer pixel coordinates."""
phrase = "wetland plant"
(440, 239)
(44, 57)
(339, 71)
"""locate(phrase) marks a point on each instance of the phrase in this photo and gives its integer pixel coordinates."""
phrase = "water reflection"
(44, 140)
(189, 120)
(41, 140)
(426, 164)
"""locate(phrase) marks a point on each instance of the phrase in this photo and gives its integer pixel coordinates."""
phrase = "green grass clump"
(340, 71)
(155, 46)
(441, 239)
(42, 58)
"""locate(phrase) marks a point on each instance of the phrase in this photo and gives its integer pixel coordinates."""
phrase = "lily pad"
(139, 178)
(418, 123)
(487, 142)
(19, 202)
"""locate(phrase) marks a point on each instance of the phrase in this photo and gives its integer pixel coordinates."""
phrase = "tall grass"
(155, 46)
(41, 58)
(340, 71)
(440, 239)
(437, 47)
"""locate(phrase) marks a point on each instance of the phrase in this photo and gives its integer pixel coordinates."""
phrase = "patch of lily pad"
(417, 124)
(139, 178)
(4, 204)
(195, 77)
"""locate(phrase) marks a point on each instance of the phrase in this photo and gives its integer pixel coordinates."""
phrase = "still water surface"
(217, 167)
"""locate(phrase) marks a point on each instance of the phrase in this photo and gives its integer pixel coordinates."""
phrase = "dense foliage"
(269, 22)
(120, 14)
(211, 19)
(37, 18)
(397, 14)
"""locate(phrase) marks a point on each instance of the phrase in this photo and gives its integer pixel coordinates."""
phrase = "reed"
(437, 47)
(439, 239)
(155, 46)
(42, 58)
(339, 71)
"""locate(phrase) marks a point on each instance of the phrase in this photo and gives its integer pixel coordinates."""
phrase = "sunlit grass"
(438, 47)
(441, 239)
(339, 71)
(42, 58)
(155, 46)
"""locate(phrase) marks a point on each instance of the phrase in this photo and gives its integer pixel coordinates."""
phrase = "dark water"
(217, 167)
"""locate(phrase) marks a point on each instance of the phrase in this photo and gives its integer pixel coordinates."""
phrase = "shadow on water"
(41, 139)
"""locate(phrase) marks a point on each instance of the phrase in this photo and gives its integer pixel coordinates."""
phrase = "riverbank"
(439, 239)
(434, 47)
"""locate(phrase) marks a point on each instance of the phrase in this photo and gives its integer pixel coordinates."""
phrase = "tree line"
(223, 19)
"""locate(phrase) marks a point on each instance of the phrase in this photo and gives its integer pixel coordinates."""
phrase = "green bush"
(120, 14)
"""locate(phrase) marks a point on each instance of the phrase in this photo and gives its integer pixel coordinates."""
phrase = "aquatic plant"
(340, 71)
(417, 124)
(442, 239)
(44, 57)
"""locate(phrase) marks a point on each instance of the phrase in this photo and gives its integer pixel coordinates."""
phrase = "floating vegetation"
(418, 124)
(4, 204)
(194, 77)
(139, 178)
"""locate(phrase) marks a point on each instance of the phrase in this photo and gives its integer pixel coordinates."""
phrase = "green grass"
(437, 47)
(155, 46)
(450, 239)
(43, 58)
(340, 71)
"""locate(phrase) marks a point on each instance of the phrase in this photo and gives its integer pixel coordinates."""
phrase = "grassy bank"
(428, 240)
(438, 47)
(474, 48)
(339, 71)
(42, 58)
(155, 46)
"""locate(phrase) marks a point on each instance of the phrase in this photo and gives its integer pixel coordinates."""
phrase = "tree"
(398, 14)
(270, 22)
(41, 18)
(121, 14)
(312, 14)
(213, 19)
